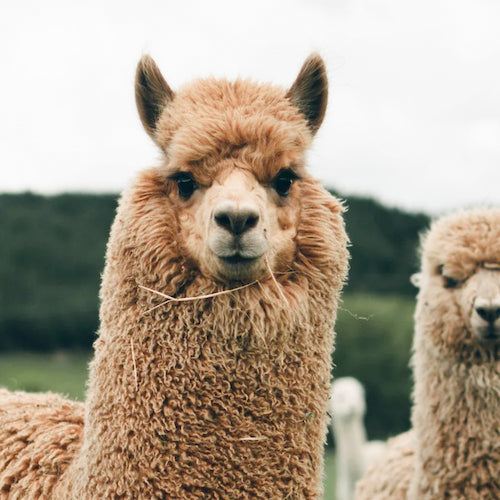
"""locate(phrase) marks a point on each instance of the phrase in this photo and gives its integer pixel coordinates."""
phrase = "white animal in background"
(354, 453)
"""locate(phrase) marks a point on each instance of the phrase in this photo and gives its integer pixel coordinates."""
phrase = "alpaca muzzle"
(486, 318)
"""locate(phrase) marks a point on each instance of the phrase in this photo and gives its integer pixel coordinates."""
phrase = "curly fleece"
(224, 397)
(453, 450)
(39, 436)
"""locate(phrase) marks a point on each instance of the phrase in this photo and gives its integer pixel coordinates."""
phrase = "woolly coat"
(224, 397)
(39, 436)
(456, 441)
(390, 477)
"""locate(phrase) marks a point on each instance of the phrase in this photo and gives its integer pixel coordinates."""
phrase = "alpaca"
(354, 453)
(211, 371)
(39, 436)
(453, 450)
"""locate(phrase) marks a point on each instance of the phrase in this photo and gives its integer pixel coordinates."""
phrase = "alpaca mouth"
(238, 252)
(489, 334)
(238, 259)
(239, 267)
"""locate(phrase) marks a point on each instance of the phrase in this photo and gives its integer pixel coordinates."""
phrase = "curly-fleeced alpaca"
(195, 393)
(354, 453)
(453, 450)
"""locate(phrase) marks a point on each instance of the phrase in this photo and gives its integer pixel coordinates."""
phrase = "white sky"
(414, 113)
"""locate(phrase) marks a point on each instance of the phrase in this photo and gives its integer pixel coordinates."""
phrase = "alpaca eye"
(450, 282)
(283, 181)
(185, 183)
(447, 281)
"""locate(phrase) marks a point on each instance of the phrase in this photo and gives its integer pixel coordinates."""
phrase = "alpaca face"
(239, 225)
(347, 398)
(480, 302)
(460, 283)
(233, 165)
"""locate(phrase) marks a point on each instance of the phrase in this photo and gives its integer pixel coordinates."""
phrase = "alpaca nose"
(489, 311)
(236, 219)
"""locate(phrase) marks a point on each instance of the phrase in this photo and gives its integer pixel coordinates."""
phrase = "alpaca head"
(459, 299)
(347, 399)
(233, 168)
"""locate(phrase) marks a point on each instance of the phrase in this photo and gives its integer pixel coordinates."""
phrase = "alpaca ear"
(416, 279)
(309, 92)
(152, 93)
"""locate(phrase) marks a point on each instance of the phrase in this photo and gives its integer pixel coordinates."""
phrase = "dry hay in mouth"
(187, 299)
(275, 281)
(214, 294)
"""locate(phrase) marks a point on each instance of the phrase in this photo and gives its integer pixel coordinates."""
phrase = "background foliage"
(52, 253)
(51, 256)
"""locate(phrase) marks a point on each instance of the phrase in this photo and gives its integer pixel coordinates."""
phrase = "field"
(66, 373)
(61, 372)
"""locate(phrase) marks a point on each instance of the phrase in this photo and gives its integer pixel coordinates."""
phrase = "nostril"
(223, 220)
(483, 313)
(251, 221)
(489, 314)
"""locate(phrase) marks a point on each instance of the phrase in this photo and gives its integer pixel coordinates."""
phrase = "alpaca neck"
(456, 422)
(180, 393)
(350, 438)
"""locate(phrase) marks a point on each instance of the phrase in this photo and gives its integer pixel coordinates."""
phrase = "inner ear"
(152, 93)
(309, 92)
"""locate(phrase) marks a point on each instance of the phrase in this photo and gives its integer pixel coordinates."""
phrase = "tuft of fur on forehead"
(210, 120)
(463, 241)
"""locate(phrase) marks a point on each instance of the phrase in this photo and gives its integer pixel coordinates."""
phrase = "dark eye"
(185, 183)
(450, 282)
(283, 181)
(447, 281)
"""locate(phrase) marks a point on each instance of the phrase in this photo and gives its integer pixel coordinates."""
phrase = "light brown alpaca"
(223, 396)
(453, 450)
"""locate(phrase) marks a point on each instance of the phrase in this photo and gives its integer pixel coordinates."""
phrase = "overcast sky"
(414, 111)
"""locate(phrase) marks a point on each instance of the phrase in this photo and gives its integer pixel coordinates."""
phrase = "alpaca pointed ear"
(152, 93)
(309, 92)
(416, 279)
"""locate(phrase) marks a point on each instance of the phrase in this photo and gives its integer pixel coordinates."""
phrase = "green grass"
(66, 373)
(62, 372)
(329, 475)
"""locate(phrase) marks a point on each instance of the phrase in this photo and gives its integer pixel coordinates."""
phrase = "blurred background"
(412, 131)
